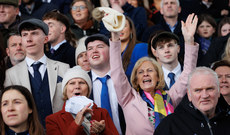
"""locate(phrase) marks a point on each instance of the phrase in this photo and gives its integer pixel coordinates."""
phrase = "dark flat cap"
(162, 35)
(94, 37)
(35, 22)
(10, 2)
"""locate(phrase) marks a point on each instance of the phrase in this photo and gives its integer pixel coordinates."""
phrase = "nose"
(10, 107)
(19, 47)
(204, 94)
(166, 49)
(223, 79)
(1, 7)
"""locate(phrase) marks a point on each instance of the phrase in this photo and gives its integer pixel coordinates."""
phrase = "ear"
(46, 39)
(178, 48)
(161, 11)
(179, 9)
(30, 111)
(8, 51)
(63, 28)
(189, 95)
(154, 52)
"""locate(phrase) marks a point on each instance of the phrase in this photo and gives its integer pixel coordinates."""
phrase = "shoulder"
(49, 61)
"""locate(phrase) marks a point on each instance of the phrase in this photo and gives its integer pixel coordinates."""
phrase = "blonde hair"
(160, 84)
(226, 54)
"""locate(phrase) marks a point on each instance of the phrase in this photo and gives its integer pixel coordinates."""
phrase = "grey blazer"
(19, 75)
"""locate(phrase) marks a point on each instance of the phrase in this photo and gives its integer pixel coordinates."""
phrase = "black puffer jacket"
(187, 120)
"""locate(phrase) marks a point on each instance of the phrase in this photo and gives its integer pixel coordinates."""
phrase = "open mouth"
(95, 57)
(147, 81)
(77, 94)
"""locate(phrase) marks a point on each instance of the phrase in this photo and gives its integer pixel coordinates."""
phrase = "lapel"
(52, 70)
(23, 74)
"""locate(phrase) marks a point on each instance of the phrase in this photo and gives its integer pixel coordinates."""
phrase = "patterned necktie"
(172, 80)
(37, 74)
(105, 102)
(52, 51)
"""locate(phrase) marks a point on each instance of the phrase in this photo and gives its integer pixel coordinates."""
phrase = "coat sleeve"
(178, 90)
(53, 127)
(121, 83)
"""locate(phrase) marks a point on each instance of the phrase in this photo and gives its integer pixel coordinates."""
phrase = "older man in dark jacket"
(202, 112)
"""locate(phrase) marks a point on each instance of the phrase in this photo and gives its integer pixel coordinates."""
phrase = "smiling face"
(15, 50)
(205, 30)
(78, 15)
(223, 73)
(147, 76)
(8, 14)
(15, 110)
(98, 54)
(56, 31)
(204, 93)
(33, 41)
(225, 29)
(77, 87)
(170, 8)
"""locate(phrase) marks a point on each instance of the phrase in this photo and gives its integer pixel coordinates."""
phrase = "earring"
(131, 35)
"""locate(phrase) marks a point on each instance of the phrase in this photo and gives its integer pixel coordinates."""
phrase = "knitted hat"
(113, 20)
(10, 2)
(162, 35)
(80, 47)
(35, 22)
(76, 72)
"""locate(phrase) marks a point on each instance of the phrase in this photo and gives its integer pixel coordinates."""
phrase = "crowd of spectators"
(169, 65)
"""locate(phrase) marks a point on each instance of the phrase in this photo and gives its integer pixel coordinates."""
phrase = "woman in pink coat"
(144, 103)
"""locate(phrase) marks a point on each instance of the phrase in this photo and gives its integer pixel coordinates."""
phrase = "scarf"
(161, 104)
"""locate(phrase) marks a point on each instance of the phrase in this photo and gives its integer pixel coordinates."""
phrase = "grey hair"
(203, 71)
(162, 2)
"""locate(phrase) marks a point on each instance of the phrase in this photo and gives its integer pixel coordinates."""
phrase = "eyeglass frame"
(81, 8)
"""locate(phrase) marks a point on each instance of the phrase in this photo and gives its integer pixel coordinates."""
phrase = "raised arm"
(178, 90)
(121, 83)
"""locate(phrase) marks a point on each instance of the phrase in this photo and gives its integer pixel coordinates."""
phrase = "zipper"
(209, 126)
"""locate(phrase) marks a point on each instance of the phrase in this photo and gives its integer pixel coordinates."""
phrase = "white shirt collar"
(176, 71)
(95, 76)
(30, 61)
(57, 45)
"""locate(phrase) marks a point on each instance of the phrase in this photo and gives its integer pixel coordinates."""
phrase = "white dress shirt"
(42, 68)
(176, 71)
(97, 86)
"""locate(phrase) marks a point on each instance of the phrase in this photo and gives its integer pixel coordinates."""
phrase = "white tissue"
(76, 103)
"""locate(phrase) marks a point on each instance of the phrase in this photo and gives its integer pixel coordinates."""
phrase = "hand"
(97, 127)
(189, 28)
(224, 12)
(80, 115)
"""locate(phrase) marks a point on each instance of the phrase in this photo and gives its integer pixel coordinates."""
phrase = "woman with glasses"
(81, 20)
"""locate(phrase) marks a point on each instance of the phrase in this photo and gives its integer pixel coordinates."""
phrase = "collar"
(30, 61)
(58, 45)
(176, 70)
(31, 9)
(95, 76)
(11, 132)
(172, 28)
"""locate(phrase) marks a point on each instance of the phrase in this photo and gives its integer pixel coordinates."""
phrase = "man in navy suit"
(44, 82)
(59, 48)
